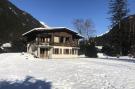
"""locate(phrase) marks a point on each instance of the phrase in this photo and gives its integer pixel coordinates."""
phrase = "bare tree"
(84, 27)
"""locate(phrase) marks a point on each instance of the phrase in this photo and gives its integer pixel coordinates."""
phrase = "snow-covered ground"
(22, 71)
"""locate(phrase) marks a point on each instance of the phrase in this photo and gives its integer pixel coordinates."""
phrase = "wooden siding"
(71, 42)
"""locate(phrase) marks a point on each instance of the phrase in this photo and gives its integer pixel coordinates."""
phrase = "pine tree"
(118, 11)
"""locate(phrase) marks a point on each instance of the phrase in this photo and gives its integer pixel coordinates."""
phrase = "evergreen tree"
(118, 11)
(90, 49)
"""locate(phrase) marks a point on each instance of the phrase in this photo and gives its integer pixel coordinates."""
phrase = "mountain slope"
(125, 35)
(14, 22)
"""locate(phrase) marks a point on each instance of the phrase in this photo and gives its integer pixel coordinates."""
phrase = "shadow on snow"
(125, 60)
(28, 83)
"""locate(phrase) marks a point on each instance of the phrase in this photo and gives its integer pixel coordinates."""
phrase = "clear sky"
(61, 13)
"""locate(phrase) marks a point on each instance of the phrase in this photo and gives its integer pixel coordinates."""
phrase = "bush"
(18, 46)
(91, 50)
(110, 50)
(1, 51)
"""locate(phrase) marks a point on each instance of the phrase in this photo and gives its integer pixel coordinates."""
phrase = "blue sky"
(61, 13)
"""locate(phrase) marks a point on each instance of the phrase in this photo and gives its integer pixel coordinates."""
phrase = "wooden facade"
(52, 42)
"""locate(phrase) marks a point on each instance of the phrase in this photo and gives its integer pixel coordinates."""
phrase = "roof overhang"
(51, 29)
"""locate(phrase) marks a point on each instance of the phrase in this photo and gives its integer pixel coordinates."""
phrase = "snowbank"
(102, 55)
(6, 45)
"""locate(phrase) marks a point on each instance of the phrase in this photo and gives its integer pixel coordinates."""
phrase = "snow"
(99, 47)
(102, 55)
(43, 23)
(23, 70)
(121, 58)
(6, 45)
(103, 33)
(82, 56)
(49, 28)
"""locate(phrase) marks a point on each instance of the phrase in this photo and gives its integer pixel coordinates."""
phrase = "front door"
(44, 52)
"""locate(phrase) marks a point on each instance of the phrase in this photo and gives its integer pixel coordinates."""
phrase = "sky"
(61, 13)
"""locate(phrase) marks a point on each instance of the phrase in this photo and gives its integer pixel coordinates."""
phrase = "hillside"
(125, 35)
(14, 22)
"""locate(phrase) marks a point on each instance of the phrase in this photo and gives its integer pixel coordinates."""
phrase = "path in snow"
(81, 73)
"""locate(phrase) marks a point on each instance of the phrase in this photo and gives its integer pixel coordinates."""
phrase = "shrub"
(110, 50)
(91, 50)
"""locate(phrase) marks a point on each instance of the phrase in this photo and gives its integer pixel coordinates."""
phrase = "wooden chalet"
(57, 42)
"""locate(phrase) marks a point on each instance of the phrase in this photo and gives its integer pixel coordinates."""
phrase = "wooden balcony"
(49, 40)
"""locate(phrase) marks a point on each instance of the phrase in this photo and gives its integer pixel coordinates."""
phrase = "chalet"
(57, 42)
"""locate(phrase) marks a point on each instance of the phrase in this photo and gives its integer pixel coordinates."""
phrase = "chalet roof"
(52, 29)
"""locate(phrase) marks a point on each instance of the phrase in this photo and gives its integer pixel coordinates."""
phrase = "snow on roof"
(45, 28)
(52, 28)
(27, 32)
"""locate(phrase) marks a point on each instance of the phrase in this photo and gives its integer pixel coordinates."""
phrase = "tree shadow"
(126, 60)
(117, 59)
(28, 83)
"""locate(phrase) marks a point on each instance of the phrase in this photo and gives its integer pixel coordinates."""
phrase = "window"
(70, 51)
(42, 39)
(66, 51)
(60, 51)
(56, 39)
(45, 39)
(55, 51)
(74, 51)
(42, 51)
(67, 39)
(61, 39)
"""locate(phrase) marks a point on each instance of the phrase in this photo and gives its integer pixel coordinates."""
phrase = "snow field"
(81, 73)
